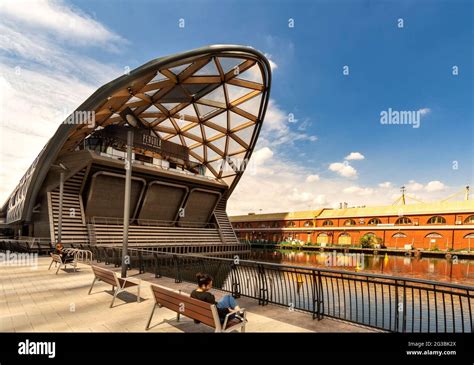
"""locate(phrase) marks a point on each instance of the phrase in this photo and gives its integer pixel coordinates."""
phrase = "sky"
(338, 67)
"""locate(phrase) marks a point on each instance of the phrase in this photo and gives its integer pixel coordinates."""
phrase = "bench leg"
(115, 296)
(151, 316)
(59, 266)
(51, 264)
(138, 293)
(177, 317)
(93, 282)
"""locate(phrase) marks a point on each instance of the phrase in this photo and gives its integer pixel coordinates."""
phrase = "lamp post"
(126, 206)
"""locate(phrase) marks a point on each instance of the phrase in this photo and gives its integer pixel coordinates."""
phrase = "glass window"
(403, 220)
(437, 219)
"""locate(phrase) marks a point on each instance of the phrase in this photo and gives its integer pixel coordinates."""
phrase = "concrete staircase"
(74, 229)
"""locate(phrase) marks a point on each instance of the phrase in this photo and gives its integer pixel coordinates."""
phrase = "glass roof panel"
(210, 132)
(210, 69)
(220, 120)
(237, 120)
(236, 92)
(252, 74)
(219, 143)
(252, 106)
(228, 63)
(234, 146)
(178, 69)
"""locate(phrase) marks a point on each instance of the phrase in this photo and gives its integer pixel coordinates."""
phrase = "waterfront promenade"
(37, 300)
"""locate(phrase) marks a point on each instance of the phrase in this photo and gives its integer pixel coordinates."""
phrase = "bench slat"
(173, 294)
(187, 312)
(187, 304)
(193, 308)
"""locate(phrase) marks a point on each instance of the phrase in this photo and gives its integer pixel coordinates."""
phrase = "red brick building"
(442, 225)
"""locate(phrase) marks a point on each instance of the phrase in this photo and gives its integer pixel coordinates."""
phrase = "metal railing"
(395, 304)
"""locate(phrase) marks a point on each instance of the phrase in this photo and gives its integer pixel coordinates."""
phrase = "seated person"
(65, 256)
(224, 306)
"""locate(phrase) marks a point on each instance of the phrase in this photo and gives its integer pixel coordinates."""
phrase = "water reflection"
(438, 269)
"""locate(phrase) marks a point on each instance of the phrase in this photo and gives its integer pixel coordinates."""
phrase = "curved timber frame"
(211, 100)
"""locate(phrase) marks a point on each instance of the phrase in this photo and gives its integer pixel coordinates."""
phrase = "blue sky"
(406, 69)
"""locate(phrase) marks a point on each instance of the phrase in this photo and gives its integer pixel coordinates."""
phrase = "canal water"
(458, 271)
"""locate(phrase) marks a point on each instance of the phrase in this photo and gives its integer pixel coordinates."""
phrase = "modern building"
(195, 118)
(442, 225)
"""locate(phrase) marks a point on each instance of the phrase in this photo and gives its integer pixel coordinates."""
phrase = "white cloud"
(312, 178)
(435, 186)
(343, 169)
(320, 200)
(273, 64)
(276, 128)
(355, 156)
(41, 81)
(278, 186)
(262, 155)
(414, 186)
(56, 18)
(386, 184)
(358, 190)
(424, 111)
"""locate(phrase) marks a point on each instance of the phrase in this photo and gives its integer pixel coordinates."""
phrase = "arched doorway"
(433, 240)
(322, 238)
(344, 239)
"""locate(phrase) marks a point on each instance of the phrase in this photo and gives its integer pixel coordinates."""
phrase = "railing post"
(396, 306)
(320, 297)
(177, 278)
(235, 283)
(262, 286)
(157, 266)
(404, 315)
(141, 266)
(315, 296)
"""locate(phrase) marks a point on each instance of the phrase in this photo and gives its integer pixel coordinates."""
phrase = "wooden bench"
(118, 284)
(58, 261)
(195, 309)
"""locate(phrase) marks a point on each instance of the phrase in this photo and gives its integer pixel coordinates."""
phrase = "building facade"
(441, 225)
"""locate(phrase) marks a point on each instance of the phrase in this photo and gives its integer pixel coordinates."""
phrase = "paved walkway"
(35, 299)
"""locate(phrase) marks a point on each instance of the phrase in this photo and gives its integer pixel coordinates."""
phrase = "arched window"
(399, 235)
(433, 235)
(374, 221)
(469, 220)
(469, 235)
(437, 219)
(349, 222)
(290, 224)
(328, 223)
(403, 220)
(308, 224)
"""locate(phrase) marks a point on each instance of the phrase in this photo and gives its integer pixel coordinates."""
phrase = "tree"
(368, 240)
